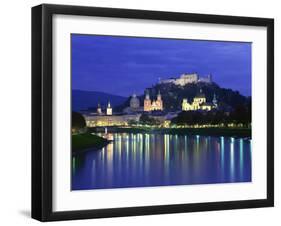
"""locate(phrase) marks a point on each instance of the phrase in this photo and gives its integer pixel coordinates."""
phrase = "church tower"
(185, 105)
(215, 102)
(99, 111)
(159, 101)
(109, 109)
(147, 102)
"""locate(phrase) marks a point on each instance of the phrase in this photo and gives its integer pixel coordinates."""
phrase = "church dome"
(134, 102)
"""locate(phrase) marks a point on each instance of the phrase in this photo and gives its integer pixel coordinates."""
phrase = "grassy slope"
(87, 140)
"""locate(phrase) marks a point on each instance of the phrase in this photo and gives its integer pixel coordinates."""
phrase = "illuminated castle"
(153, 105)
(199, 103)
(187, 79)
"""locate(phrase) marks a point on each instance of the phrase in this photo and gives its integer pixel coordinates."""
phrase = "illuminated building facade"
(153, 105)
(109, 109)
(199, 103)
(110, 120)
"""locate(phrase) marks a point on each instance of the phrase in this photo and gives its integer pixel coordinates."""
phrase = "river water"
(139, 160)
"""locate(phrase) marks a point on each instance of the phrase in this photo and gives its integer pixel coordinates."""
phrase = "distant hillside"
(83, 100)
(172, 95)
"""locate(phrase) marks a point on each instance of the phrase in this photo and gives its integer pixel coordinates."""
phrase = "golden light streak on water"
(241, 158)
(232, 159)
(167, 156)
(222, 157)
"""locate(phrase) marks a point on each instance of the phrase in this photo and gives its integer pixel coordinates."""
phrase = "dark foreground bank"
(87, 140)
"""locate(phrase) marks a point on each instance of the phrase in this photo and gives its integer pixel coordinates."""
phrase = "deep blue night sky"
(124, 65)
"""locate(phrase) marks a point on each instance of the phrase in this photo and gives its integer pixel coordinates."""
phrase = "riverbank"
(233, 132)
(87, 140)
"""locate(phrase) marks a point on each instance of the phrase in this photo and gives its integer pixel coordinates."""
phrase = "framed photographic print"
(146, 112)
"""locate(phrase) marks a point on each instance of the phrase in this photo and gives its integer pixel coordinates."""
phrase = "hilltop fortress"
(186, 79)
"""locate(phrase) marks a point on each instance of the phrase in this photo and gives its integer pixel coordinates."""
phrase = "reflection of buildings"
(186, 79)
(199, 103)
(153, 105)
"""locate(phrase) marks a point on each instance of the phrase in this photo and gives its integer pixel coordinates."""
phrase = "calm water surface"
(138, 160)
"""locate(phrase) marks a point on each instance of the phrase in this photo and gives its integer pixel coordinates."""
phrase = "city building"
(134, 102)
(110, 120)
(153, 105)
(109, 109)
(199, 103)
(134, 106)
(99, 111)
(187, 79)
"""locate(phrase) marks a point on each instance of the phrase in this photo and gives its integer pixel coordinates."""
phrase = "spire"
(147, 95)
(109, 109)
(215, 102)
(99, 109)
(159, 95)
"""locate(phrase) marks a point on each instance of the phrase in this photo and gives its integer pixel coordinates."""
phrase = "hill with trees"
(173, 95)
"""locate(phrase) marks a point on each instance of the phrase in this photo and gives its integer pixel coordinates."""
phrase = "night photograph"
(159, 112)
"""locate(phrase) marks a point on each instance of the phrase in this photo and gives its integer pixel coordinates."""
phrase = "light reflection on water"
(137, 160)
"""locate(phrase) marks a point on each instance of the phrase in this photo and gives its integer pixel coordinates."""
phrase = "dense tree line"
(146, 120)
(78, 123)
(240, 115)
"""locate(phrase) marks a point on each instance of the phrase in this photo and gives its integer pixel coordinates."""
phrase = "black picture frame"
(42, 104)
